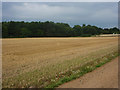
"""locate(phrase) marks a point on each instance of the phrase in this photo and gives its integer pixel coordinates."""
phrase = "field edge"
(89, 67)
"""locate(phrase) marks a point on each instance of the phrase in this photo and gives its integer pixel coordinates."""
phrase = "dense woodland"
(50, 29)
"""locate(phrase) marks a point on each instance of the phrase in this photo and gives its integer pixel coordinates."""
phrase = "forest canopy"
(15, 29)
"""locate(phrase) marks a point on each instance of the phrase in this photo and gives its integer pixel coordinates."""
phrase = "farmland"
(38, 62)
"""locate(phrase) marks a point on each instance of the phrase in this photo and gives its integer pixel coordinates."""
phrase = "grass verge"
(80, 71)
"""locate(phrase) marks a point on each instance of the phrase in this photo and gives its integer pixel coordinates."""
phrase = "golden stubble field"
(31, 62)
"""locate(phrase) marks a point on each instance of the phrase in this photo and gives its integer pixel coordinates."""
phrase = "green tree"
(48, 28)
(25, 32)
(4, 31)
(77, 30)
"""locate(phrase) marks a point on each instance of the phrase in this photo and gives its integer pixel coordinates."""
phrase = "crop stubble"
(31, 60)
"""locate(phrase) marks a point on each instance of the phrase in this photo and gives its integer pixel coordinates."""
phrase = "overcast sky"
(100, 14)
(60, 0)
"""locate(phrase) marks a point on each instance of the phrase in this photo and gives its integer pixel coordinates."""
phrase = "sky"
(101, 14)
(60, 0)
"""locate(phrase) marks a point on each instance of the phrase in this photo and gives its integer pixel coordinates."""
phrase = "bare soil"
(103, 77)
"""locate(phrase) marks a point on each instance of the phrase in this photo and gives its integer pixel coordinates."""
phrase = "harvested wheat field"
(42, 62)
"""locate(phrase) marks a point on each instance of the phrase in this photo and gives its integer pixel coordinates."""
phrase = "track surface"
(104, 77)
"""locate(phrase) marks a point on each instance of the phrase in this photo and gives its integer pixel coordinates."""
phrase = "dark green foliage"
(50, 29)
(24, 32)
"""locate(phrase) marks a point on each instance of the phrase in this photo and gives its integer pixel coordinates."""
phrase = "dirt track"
(103, 77)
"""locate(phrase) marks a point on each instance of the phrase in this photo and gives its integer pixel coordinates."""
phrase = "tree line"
(15, 29)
